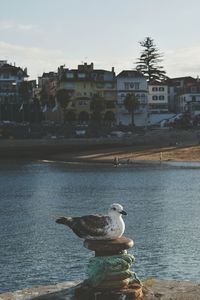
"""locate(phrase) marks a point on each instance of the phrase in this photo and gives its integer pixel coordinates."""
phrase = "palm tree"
(63, 97)
(131, 103)
(97, 106)
(109, 118)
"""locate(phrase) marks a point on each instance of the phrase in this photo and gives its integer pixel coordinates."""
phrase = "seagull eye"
(114, 208)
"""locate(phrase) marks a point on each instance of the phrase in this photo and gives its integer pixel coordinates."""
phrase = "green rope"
(107, 267)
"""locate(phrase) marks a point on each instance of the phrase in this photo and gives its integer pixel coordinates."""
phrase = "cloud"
(12, 25)
(5, 25)
(26, 27)
(177, 62)
(26, 52)
(37, 60)
(183, 61)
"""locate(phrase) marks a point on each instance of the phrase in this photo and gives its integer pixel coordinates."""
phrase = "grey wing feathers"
(91, 225)
(95, 224)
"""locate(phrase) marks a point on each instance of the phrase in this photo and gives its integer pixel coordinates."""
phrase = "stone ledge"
(158, 290)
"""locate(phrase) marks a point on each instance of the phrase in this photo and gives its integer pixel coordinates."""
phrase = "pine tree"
(148, 63)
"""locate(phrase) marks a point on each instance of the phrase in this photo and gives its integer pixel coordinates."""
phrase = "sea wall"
(156, 290)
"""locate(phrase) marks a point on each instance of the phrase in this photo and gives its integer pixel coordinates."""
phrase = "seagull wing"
(91, 225)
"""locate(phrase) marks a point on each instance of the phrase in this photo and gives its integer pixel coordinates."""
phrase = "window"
(108, 94)
(154, 98)
(100, 85)
(161, 88)
(131, 85)
(126, 85)
(109, 85)
(161, 98)
(83, 102)
(154, 89)
(70, 75)
(137, 85)
(194, 98)
(81, 75)
(193, 89)
(5, 75)
(69, 85)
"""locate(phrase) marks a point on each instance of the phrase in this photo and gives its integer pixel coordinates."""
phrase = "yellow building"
(81, 86)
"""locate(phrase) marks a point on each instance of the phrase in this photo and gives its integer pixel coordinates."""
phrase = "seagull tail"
(64, 220)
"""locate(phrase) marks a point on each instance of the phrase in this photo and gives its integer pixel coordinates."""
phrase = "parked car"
(80, 131)
(118, 134)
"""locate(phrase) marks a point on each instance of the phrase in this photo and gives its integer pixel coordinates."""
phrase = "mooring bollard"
(109, 272)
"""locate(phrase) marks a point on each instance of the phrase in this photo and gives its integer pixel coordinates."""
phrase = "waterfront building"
(188, 99)
(78, 88)
(47, 95)
(158, 98)
(12, 90)
(175, 86)
(132, 82)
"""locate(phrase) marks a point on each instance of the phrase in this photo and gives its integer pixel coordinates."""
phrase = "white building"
(130, 81)
(158, 98)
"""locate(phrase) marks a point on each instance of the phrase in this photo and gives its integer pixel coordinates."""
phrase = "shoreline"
(155, 146)
(127, 156)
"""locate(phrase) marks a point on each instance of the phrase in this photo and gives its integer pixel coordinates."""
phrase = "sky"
(45, 34)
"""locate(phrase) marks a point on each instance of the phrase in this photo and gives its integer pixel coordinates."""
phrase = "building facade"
(81, 86)
(132, 82)
(188, 99)
(11, 90)
(47, 96)
(158, 98)
(175, 87)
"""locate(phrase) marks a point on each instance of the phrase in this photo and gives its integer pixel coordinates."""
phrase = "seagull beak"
(123, 212)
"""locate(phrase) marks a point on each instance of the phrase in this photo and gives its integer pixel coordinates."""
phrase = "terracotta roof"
(155, 82)
(184, 80)
(6, 68)
(130, 73)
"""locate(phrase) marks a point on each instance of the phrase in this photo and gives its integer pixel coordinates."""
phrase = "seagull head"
(116, 209)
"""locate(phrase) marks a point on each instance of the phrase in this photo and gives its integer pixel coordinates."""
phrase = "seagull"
(97, 227)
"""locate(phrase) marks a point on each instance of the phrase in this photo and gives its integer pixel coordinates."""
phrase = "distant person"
(116, 161)
(161, 156)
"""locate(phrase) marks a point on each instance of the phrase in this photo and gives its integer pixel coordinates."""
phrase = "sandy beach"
(131, 154)
(152, 146)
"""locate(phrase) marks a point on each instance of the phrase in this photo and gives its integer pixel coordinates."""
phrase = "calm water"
(163, 219)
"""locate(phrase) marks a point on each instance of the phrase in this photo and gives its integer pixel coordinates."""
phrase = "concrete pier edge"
(156, 290)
